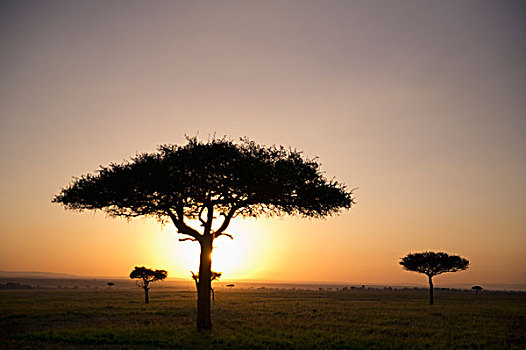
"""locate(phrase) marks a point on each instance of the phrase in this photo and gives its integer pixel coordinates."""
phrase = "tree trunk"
(430, 290)
(204, 321)
(146, 296)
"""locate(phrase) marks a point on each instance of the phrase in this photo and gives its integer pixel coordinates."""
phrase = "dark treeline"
(14, 285)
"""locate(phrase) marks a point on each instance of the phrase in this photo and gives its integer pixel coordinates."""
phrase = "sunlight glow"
(242, 257)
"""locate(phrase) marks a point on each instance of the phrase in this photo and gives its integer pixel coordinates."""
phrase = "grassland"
(262, 319)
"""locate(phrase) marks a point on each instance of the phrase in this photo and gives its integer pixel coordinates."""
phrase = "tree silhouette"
(213, 276)
(145, 277)
(432, 264)
(477, 289)
(205, 181)
(110, 284)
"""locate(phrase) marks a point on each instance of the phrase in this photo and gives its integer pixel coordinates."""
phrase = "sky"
(418, 104)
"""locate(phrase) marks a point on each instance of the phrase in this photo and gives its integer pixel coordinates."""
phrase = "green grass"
(269, 319)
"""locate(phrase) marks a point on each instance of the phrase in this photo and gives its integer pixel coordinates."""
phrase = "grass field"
(262, 319)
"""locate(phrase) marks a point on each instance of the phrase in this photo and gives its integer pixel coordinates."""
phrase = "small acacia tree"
(432, 264)
(146, 276)
(477, 289)
(208, 183)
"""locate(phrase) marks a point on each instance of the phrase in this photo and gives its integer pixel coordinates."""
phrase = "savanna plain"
(262, 319)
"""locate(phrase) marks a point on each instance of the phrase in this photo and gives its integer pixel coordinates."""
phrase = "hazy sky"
(420, 104)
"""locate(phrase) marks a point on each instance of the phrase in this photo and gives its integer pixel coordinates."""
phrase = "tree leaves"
(147, 275)
(219, 174)
(432, 264)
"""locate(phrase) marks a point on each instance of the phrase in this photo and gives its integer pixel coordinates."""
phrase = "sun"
(230, 255)
(238, 258)
(243, 256)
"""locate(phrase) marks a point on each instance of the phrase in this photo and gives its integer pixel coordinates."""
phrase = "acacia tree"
(432, 264)
(145, 277)
(477, 289)
(205, 183)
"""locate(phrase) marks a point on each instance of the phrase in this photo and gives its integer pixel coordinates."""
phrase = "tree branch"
(203, 222)
(210, 218)
(226, 222)
(225, 234)
(181, 226)
(187, 239)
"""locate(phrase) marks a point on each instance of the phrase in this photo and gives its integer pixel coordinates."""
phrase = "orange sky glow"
(420, 105)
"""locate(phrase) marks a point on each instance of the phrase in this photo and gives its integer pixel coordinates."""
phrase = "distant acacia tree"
(110, 284)
(477, 289)
(205, 181)
(146, 276)
(432, 264)
(214, 276)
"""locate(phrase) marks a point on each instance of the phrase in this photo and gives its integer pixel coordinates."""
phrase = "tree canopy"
(432, 264)
(146, 276)
(231, 178)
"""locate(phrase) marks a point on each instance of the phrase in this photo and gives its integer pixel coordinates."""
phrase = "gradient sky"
(419, 104)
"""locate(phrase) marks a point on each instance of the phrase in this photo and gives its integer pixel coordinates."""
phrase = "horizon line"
(65, 275)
